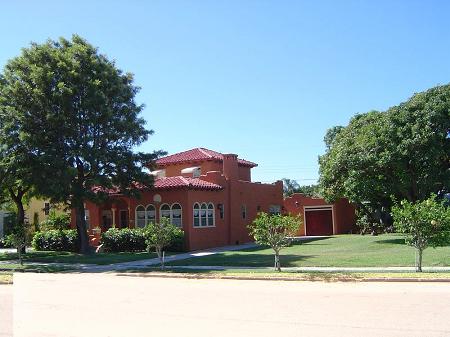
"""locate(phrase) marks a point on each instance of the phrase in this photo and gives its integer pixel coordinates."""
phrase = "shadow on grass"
(243, 260)
(392, 241)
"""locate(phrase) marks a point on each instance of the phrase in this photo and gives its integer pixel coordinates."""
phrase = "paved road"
(111, 305)
(6, 310)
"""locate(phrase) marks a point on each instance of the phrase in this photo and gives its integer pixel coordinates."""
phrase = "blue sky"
(263, 79)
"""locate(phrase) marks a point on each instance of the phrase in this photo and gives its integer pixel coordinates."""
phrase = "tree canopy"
(76, 111)
(402, 153)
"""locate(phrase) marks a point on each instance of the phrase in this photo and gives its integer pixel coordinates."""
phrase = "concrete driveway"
(6, 309)
(111, 305)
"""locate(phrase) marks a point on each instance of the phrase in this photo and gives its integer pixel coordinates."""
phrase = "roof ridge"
(202, 150)
(184, 180)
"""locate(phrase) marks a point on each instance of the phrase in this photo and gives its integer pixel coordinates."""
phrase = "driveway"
(112, 305)
(6, 310)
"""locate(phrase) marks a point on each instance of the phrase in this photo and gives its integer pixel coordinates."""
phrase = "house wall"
(36, 206)
(343, 212)
(243, 172)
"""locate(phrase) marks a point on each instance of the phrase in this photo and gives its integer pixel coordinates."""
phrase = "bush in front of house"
(56, 240)
(116, 240)
(55, 221)
(123, 240)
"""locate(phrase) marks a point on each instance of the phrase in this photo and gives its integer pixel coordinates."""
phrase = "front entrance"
(123, 219)
(106, 220)
(319, 221)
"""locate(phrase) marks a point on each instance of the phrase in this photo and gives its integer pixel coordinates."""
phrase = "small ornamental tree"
(160, 235)
(425, 223)
(275, 231)
(17, 239)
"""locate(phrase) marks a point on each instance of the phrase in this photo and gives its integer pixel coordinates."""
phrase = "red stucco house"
(208, 194)
(320, 217)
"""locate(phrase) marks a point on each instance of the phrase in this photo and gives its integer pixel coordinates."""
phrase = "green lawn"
(338, 251)
(66, 257)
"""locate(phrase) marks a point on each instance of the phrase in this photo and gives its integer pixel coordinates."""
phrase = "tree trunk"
(83, 239)
(159, 253)
(277, 261)
(419, 252)
(18, 201)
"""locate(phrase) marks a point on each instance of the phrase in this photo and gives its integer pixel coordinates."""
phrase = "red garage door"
(319, 221)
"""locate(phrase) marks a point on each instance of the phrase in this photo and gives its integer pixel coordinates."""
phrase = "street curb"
(256, 278)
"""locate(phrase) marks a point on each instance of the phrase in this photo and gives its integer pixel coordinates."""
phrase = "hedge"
(56, 240)
(133, 240)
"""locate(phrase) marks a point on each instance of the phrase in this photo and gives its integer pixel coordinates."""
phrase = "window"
(203, 220)
(46, 208)
(258, 208)
(176, 215)
(164, 211)
(210, 215)
(244, 211)
(196, 215)
(140, 216)
(150, 214)
(274, 209)
(221, 211)
(204, 215)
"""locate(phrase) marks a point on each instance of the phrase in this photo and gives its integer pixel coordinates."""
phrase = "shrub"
(124, 240)
(133, 240)
(55, 221)
(56, 240)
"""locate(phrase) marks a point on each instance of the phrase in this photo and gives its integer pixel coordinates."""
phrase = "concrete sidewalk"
(319, 269)
(155, 261)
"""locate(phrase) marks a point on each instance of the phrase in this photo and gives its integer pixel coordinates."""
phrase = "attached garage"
(318, 220)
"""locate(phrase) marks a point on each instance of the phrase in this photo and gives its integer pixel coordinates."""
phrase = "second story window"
(244, 211)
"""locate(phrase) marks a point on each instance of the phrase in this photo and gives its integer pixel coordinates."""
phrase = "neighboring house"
(38, 210)
(319, 217)
(208, 194)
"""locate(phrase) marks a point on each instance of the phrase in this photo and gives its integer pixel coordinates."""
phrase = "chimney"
(230, 166)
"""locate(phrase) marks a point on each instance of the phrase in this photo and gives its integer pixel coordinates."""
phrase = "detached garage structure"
(319, 217)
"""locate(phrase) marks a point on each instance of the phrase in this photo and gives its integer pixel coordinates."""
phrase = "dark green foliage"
(133, 240)
(56, 240)
(402, 152)
(76, 113)
(124, 240)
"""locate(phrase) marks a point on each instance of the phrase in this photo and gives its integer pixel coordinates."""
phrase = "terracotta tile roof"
(167, 183)
(198, 154)
(179, 182)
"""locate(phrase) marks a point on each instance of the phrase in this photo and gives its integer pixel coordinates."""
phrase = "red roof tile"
(198, 154)
(179, 182)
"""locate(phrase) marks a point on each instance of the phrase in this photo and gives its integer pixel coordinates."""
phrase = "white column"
(113, 210)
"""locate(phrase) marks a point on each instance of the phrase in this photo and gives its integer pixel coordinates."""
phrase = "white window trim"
(160, 212)
(199, 204)
(147, 221)
(136, 217)
(181, 213)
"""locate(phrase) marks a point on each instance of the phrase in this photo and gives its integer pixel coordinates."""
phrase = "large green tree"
(402, 152)
(77, 110)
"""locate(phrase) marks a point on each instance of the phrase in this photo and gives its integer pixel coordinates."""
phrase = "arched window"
(176, 215)
(210, 222)
(140, 216)
(203, 219)
(196, 215)
(150, 214)
(164, 211)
